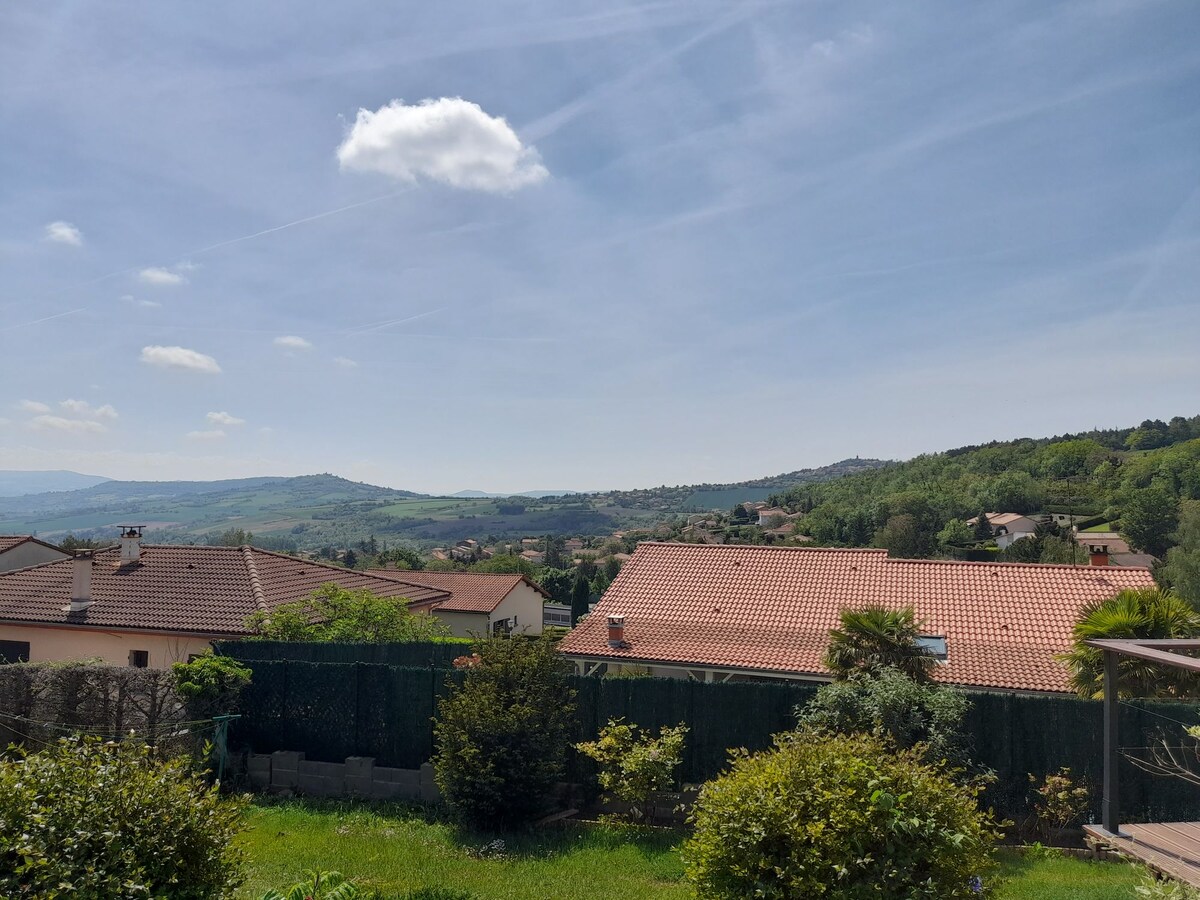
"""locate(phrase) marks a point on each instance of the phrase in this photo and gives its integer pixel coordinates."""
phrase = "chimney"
(131, 543)
(1099, 555)
(81, 580)
(616, 631)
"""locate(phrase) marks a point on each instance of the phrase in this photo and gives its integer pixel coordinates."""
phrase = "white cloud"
(293, 342)
(139, 301)
(83, 408)
(64, 233)
(180, 358)
(215, 434)
(224, 418)
(160, 277)
(345, 362)
(449, 140)
(33, 406)
(69, 426)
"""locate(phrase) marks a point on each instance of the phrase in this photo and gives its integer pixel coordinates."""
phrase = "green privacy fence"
(334, 710)
(436, 654)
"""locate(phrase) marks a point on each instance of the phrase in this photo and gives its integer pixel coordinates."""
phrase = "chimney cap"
(616, 619)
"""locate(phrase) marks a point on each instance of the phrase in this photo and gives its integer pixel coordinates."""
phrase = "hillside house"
(19, 551)
(1107, 548)
(1008, 527)
(152, 605)
(728, 613)
(480, 603)
(771, 516)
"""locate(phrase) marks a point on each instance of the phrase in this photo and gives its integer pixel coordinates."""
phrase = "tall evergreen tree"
(581, 594)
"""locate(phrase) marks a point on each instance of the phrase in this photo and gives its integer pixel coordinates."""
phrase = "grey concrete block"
(258, 762)
(321, 786)
(410, 778)
(360, 765)
(358, 785)
(324, 769)
(284, 778)
(286, 759)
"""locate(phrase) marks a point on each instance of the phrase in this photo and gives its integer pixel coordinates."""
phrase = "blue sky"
(623, 245)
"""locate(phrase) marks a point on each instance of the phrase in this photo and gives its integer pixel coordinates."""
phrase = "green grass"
(394, 850)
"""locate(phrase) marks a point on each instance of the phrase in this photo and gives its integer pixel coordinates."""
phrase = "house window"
(503, 627)
(14, 652)
(139, 659)
(935, 644)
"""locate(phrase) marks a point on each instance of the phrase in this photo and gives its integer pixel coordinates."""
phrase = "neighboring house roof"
(469, 591)
(997, 519)
(206, 590)
(9, 541)
(770, 609)
(1109, 540)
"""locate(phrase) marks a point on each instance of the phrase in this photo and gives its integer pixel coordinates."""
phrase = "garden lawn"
(395, 850)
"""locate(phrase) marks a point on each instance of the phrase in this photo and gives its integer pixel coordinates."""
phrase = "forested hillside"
(1139, 480)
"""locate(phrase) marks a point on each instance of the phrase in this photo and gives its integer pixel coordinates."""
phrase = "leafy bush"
(1154, 888)
(892, 704)
(501, 736)
(322, 886)
(633, 766)
(210, 684)
(837, 816)
(333, 613)
(84, 818)
(1059, 800)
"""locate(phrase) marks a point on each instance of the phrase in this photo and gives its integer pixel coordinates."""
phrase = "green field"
(394, 850)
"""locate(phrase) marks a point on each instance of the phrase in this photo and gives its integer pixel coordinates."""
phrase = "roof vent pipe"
(616, 631)
(131, 543)
(81, 580)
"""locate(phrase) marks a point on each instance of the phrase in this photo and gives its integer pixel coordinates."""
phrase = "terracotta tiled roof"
(1109, 540)
(208, 590)
(770, 609)
(8, 541)
(469, 591)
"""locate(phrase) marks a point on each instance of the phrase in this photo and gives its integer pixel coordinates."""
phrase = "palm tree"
(1146, 614)
(874, 638)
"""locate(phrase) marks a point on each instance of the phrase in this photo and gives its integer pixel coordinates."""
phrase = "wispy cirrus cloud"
(160, 277)
(224, 418)
(345, 362)
(180, 358)
(83, 408)
(448, 140)
(63, 425)
(292, 342)
(140, 301)
(64, 233)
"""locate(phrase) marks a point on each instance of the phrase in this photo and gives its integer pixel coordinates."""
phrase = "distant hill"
(537, 495)
(15, 483)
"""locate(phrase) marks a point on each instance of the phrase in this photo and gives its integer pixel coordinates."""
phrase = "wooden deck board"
(1171, 848)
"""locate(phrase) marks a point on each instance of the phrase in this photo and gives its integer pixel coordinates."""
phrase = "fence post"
(1110, 806)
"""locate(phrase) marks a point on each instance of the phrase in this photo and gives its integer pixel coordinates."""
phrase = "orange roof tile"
(207, 590)
(770, 609)
(469, 591)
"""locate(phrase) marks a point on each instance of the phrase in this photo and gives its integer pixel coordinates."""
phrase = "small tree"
(905, 712)
(210, 684)
(84, 818)
(875, 638)
(1146, 614)
(581, 595)
(983, 528)
(334, 613)
(501, 736)
(634, 766)
(836, 816)
(1059, 801)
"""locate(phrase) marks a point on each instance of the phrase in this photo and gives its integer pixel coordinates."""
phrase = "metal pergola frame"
(1158, 651)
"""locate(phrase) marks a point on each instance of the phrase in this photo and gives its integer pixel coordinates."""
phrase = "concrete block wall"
(358, 776)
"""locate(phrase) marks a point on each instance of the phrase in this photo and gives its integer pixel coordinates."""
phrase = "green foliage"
(874, 638)
(336, 614)
(1058, 800)
(322, 886)
(504, 564)
(956, 533)
(1147, 613)
(501, 736)
(842, 817)
(1182, 569)
(633, 766)
(211, 684)
(581, 595)
(436, 893)
(1154, 888)
(891, 704)
(88, 819)
(983, 528)
(1149, 517)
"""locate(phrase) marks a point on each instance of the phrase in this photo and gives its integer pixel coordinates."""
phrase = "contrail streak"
(69, 312)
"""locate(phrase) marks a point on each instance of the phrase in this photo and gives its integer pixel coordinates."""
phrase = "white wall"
(46, 644)
(29, 553)
(525, 603)
(464, 624)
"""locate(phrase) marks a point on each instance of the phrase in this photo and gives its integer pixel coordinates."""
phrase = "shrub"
(334, 613)
(1058, 801)
(633, 766)
(892, 704)
(84, 818)
(501, 736)
(1155, 888)
(322, 886)
(837, 816)
(211, 685)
